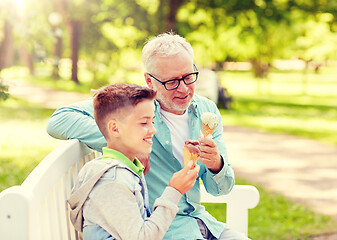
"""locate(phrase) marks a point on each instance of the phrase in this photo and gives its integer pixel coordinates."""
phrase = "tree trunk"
(260, 69)
(305, 78)
(61, 8)
(161, 14)
(27, 58)
(171, 19)
(75, 42)
(57, 57)
(5, 44)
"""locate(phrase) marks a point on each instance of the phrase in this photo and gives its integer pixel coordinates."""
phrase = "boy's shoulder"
(111, 169)
(94, 167)
(121, 174)
(117, 171)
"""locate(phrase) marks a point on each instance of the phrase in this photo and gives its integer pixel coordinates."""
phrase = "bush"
(3, 91)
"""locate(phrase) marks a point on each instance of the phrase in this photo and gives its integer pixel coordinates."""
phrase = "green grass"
(284, 83)
(310, 121)
(43, 78)
(276, 218)
(24, 141)
(312, 115)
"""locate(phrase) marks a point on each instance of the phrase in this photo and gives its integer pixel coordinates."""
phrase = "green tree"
(25, 30)
(238, 30)
(258, 31)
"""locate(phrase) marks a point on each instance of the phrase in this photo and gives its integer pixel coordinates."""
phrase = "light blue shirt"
(69, 122)
(164, 164)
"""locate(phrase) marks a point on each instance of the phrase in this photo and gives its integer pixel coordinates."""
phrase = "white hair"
(164, 45)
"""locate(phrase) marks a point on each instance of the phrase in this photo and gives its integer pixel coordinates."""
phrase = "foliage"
(310, 45)
(3, 90)
(113, 31)
(257, 31)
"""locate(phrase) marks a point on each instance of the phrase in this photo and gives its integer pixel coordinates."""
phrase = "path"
(46, 97)
(300, 169)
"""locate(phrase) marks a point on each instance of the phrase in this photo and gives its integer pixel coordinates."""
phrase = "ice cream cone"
(209, 123)
(206, 130)
(189, 156)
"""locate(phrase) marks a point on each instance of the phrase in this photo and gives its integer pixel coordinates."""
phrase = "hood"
(87, 178)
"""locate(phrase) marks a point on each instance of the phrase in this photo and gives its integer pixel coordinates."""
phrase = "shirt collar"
(193, 106)
(136, 166)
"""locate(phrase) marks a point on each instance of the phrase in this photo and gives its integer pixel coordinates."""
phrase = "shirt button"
(167, 142)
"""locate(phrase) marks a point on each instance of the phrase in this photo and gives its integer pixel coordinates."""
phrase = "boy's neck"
(118, 148)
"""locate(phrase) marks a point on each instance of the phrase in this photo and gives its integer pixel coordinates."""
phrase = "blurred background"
(270, 65)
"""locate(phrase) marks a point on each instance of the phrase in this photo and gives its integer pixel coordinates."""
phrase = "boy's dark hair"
(113, 98)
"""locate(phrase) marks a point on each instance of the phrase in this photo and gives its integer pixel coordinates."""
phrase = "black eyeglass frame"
(178, 79)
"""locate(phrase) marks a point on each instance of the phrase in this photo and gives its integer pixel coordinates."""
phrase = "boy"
(110, 198)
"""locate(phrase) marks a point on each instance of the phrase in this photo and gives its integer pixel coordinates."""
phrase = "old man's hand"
(210, 155)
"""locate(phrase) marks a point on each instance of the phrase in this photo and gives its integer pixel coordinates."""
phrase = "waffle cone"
(189, 156)
(206, 130)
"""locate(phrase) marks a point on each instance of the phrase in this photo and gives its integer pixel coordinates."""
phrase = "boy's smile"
(149, 140)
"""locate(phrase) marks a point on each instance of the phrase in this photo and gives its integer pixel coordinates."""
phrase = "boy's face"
(136, 129)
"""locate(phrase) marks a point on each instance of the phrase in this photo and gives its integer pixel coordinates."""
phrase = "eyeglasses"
(174, 83)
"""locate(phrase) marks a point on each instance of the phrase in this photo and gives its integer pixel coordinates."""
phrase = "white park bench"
(38, 208)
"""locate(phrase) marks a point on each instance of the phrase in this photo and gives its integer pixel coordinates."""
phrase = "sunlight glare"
(20, 5)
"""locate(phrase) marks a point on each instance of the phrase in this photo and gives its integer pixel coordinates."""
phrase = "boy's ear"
(113, 127)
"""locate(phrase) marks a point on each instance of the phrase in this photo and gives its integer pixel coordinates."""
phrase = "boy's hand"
(209, 155)
(184, 179)
(145, 160)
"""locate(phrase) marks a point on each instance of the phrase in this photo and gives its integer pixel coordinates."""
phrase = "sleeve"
(114, 208)
(77, 121)
(222, 182)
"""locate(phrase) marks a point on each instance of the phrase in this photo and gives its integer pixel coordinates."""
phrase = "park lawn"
(88, 80)
(278, 104)
(278, 116)
(284, 83)
(24, 143)
(277, 218)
